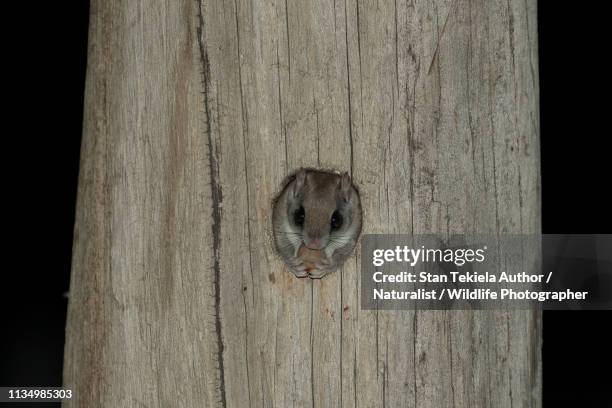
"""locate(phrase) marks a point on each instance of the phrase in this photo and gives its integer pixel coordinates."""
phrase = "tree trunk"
(195, 111)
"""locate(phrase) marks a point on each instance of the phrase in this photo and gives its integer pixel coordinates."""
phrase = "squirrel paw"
(298, 267)
(320, 269)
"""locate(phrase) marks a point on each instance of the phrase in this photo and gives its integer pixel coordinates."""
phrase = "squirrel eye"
(336, 220)
(298, 216)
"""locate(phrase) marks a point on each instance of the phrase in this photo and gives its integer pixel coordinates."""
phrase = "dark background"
(45, 109)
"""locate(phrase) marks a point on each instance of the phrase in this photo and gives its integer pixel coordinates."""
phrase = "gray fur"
(320, 193)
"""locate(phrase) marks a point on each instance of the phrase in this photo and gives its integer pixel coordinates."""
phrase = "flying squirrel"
(316, 221)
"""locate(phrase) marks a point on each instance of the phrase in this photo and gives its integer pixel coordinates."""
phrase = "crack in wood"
(215, 188)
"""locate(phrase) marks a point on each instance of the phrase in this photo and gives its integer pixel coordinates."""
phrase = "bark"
(194, 113)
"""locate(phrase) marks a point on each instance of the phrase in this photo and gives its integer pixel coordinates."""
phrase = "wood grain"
(194, 113)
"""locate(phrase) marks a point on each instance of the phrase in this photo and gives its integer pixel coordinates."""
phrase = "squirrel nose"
(315, 243)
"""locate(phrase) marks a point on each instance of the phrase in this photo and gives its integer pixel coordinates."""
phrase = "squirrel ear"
(300, 181)
(345, 186)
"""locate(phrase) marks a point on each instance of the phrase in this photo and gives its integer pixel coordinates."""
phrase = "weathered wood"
(195, 112)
